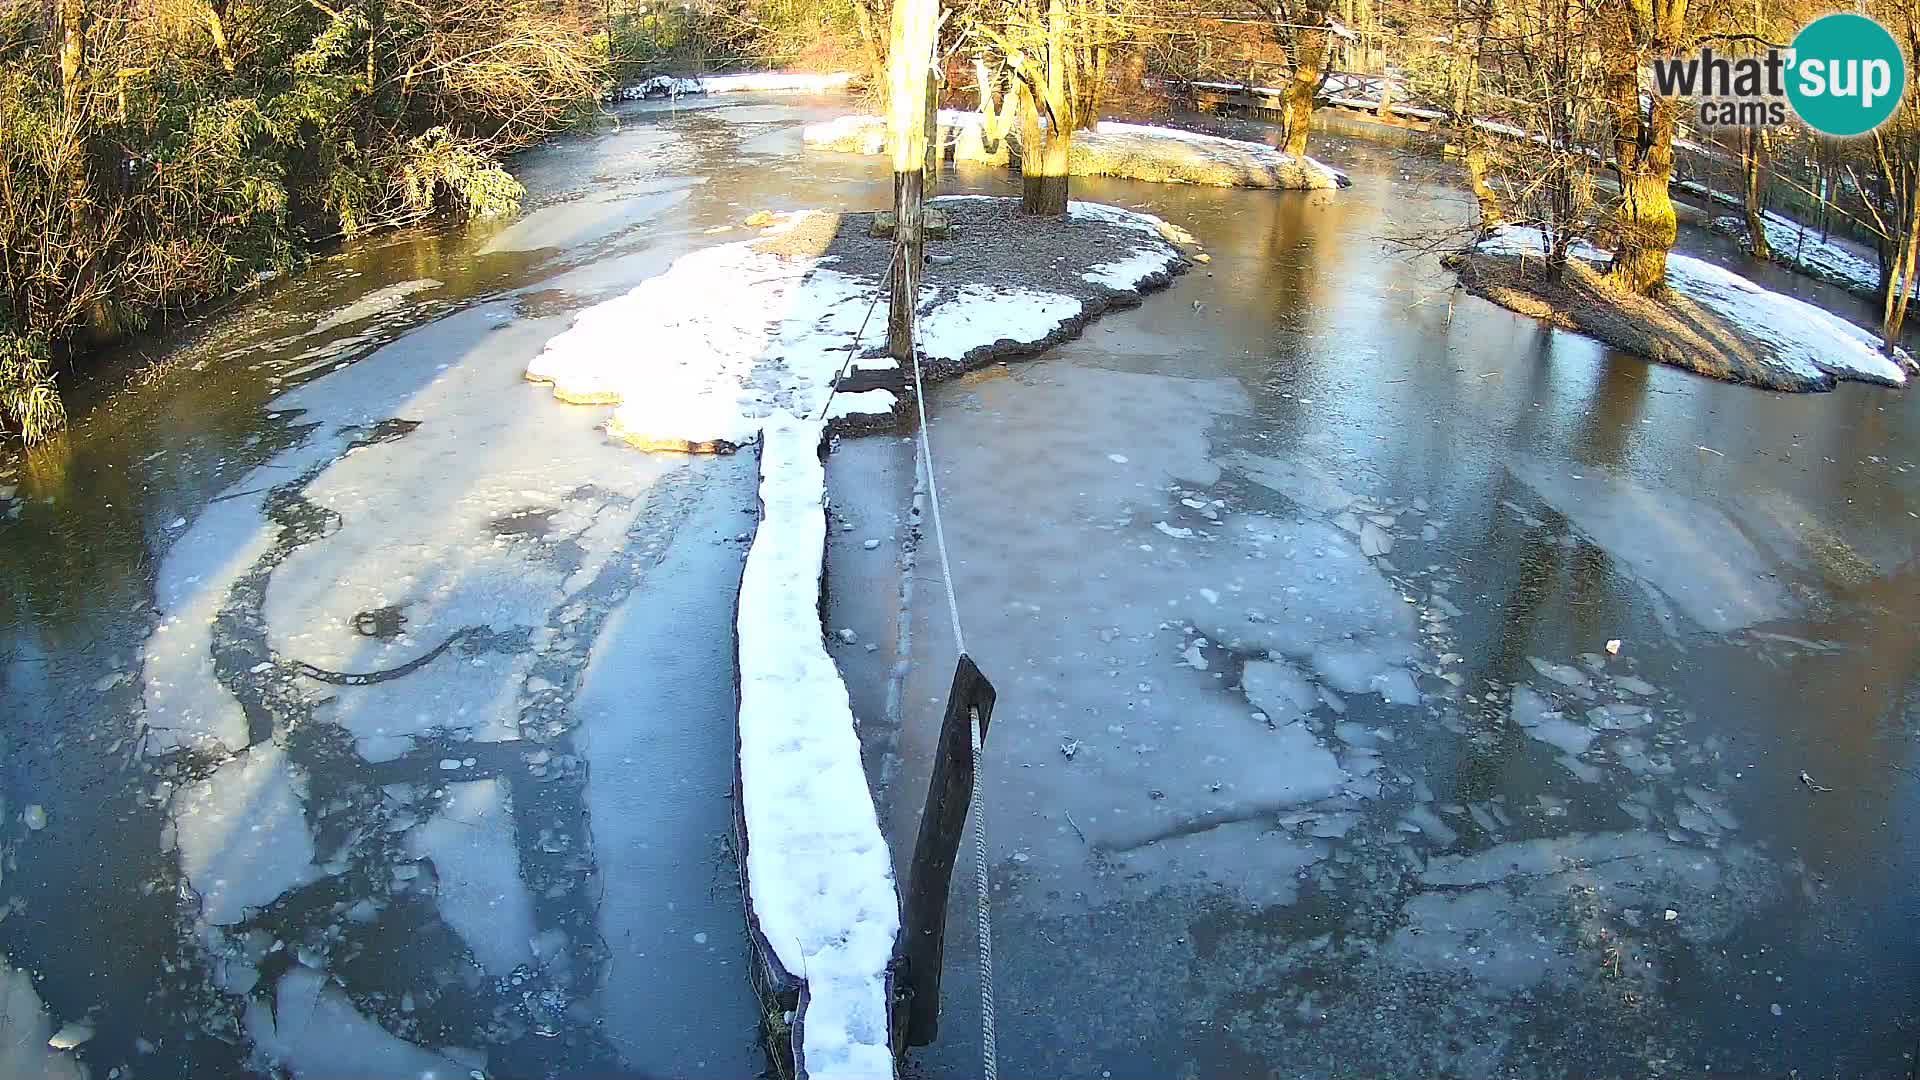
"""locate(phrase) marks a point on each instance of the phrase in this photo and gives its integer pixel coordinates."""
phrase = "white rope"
(989, 1050)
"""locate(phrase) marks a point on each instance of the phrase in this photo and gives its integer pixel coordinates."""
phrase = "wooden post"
(943, 821)
(908, 60)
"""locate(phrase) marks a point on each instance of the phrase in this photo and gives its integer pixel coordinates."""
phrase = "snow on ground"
(470, 842)
(25, 1030)
(1159, 154)
(763, 82)
(818, 869)
(694, 365)
(1814, 343)
(1802, 247)
(973, 315)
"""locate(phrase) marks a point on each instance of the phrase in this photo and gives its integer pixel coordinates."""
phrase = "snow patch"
(818, 870)
(764, 82)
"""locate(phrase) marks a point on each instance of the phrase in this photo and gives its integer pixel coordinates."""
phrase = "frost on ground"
(1134, 151)
(1793, 344)
(816, 864)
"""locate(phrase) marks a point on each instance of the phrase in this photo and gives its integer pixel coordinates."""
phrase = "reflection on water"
(1541, 496)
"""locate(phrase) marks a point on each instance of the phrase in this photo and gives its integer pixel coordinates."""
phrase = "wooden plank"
(942, 823)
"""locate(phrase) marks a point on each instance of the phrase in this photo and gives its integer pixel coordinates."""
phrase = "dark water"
(513, 853)
(1182, 895)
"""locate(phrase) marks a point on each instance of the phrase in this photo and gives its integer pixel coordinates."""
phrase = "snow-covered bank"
(1134, 151)
(818, 872)
(1802, 248)
(745, 342)
(1748, 333)
(698, 358)
(762, 82)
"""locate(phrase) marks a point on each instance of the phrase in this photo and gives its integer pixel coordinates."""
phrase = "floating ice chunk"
(1528, 707)
(1565, 734)
(1304, 483)
(1564, 674)
(1422, 817)
(27, 1051)
(481, 895)
(378, 302)
(1687, 548)
(1396, 686)
(1375, 540)
(1278, 689)
(314, 1032)
(1176, 533)
(242, 833)
(1619, 717)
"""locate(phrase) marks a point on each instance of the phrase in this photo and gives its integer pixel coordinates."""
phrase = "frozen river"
(368, 714)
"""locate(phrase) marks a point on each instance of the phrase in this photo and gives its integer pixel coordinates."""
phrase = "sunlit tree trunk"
(1753, 146)
(1043, 164)
(73, 50)
(1472, 142)
(1310, 54)
(217, 26)
(1642, 140)
(1902, 275)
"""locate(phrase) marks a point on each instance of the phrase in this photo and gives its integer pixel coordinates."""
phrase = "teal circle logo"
(1847, 75)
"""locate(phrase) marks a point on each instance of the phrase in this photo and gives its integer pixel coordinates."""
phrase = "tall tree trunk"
(870, 39)
(1642, 143)
(73, 51)
(1310, 54)
(1904, 275)
(1753, 147)
(1472, 142)
(936, 141)
(1043, 190)
(217, 26)
(1043, 164)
